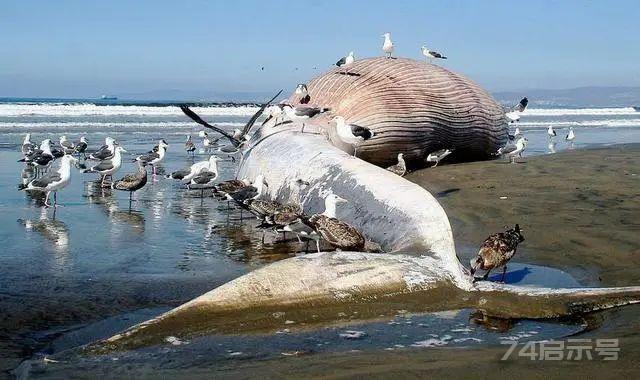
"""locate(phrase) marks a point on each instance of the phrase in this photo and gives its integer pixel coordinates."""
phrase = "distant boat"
(637, 108)
(108, 97)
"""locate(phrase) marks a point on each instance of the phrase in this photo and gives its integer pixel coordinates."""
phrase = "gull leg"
(486, 275)
(504, 273)
(318, 245)
(46, 200)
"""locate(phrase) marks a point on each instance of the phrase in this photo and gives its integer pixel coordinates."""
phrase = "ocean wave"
(98, 125)
(88, 109)
(579, 111)
(581, 123)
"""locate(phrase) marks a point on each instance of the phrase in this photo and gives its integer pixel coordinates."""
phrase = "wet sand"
(580, 213)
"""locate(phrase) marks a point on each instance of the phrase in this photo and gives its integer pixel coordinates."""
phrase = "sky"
(187, 48)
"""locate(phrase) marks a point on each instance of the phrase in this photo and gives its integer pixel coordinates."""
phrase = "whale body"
(419, 269)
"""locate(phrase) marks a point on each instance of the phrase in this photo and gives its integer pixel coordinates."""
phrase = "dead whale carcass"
(420, 269)
(413, 107)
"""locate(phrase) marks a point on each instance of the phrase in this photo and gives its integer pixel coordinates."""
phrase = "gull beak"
(123, 151)
(341, 200)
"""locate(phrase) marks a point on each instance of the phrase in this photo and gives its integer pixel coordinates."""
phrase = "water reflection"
(491, 323)
(54, 231)
(129, 220)
(551, 147)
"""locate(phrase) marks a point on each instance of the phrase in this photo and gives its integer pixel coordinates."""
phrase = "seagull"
(570, 136)
(387, 46)
(517, 132)
(438, 156)
(431, 54)
(497, 250)
(551, 132)
(27, 146)
(108, 167)
(206, 175)
(81, 146)
(303, 93)
(346, 61)
(243, 196)
(223, 189)
(514, 114)
(339, 234)
(400, 168)
(273, 112)
(186, 175)
(106, 151)
(512, 150)
(67, 146)
(208, 143)
(302, 113)
(154, 157)
(351, 133)
(40, 158)
(132, 182)
(52, 182)
(189, 146)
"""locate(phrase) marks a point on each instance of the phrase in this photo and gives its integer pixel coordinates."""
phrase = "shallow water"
(96, 259)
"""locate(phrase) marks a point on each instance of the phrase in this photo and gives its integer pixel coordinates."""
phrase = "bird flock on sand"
(251, 196)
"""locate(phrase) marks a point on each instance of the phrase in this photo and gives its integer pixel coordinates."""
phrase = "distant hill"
(575, 97)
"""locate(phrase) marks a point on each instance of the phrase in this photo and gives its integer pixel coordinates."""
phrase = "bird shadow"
(512, 277)
(446, 193)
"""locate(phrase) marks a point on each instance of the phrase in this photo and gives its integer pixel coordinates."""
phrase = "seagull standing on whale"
(387, 46)
(302, 113)
(431, 55)
(351, 133)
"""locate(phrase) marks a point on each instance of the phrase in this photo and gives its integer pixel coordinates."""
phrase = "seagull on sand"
(431, 54)
(154, 157)
(514, 114)
(551, 132)
(54, 181)
(438, 156)
(570, 136)
(108, 167)
(512, 150)
(387, 46)
(351, 133)
(132, 182)
(496, 251)
(302, 113)
(400, 168)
